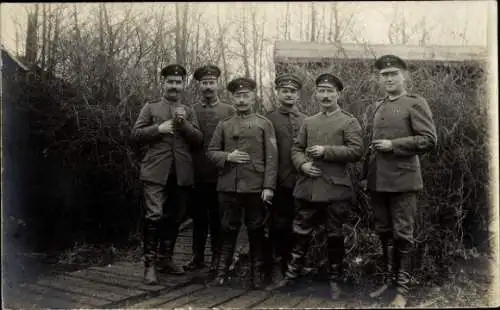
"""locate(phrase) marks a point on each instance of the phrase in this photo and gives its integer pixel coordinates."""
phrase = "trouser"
(280, 232)
(234, 207)
(394, 223)
(205, 215)
(308, 215)
(165, 207)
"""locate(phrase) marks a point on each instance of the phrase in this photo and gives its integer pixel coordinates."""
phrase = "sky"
(371, 18)
(448, 22)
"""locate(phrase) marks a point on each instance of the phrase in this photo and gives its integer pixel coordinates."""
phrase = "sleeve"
(144, 129)
(271, 148)
(299, 156)
(424, 138)
(190, 129)
(215, 151)
(352, 150)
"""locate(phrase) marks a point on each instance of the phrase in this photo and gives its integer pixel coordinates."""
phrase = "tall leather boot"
(296, 262)
(150, 242)
(199, 240)
(215, 243)
(228, 246)
(281, 250)
(336, 253)
(257, 240)
(403, 275)
(167, 246)
(389, 273)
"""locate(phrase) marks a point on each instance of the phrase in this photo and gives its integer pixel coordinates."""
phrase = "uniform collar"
(396, 97)
(331, 113)
(213, 104)
(285, 110)
(244, 116)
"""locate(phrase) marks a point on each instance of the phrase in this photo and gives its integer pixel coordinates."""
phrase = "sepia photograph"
(185, 155)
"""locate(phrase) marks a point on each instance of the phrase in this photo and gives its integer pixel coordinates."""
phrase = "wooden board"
(35, 296)
(309, 302)
(83, 287)
(282, 300)
(165, 298)
(247, 300)
(216, 296)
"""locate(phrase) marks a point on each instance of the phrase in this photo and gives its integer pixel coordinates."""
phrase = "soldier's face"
(326, 96)
(243, 100)
(174, 85)
(288, 96)
(209, 87)
(392, 80)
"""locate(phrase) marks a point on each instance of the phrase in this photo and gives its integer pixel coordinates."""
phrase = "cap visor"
(390, 69)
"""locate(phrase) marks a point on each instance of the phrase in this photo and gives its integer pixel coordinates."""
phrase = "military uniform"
(394, 178)
(286, 122)
(327, 197)
(240, 185)
(166, 171)
(205, 211)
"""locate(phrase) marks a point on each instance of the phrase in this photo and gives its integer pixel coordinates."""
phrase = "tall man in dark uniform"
(205, 211)
(169, 129)
(244, 149)
(286, 120)
(325, 144)
(400, 127)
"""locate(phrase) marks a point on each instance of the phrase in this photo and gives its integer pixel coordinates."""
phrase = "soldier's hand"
(180, 114)
(238, 157)
(267, 195)
(363, 184)
(316, 151)
(167, 127)
(382, 145)
(310, 170)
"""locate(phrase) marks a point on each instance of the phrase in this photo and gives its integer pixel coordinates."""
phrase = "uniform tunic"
(394, 177)
(407, 121)
(255, 135)
(340, 134)
(167, 158)
(208, 116)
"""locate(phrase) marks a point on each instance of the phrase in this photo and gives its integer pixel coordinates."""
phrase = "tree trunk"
(222, 46)
(245, 44)
(44, 35)
(32, 36)
(178, 34)
(313, 23)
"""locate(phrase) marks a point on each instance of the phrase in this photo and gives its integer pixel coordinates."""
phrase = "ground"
(118, 284)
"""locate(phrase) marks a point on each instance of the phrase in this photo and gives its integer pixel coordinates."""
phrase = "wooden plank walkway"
(120, 286)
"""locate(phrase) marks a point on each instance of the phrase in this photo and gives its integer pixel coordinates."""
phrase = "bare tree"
(32, 36)
(313, 23)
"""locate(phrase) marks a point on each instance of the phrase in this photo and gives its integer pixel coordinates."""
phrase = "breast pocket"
(407, 166)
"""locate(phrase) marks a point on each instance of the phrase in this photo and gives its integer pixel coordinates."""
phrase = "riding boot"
(215, 237)
(199, 240)
(336, 253)
(256, 240)
(403, 275)
(296, 262)
(150, 243)
(167, 246)
(388, 273)
(228, 246)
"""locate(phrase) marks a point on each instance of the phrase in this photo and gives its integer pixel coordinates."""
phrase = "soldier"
(206, 206)
(326, 142)
(400, 128)
(286, 120)
(169, 129)
(244, 149)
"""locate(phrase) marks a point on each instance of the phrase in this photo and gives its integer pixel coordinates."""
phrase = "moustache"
(325, 100)
(208, 90)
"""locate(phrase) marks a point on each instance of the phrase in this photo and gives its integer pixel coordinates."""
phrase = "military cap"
(289, 81)
(173, 69)
(329, 79)
(206, 71)
(241, 83)
(390, 63)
